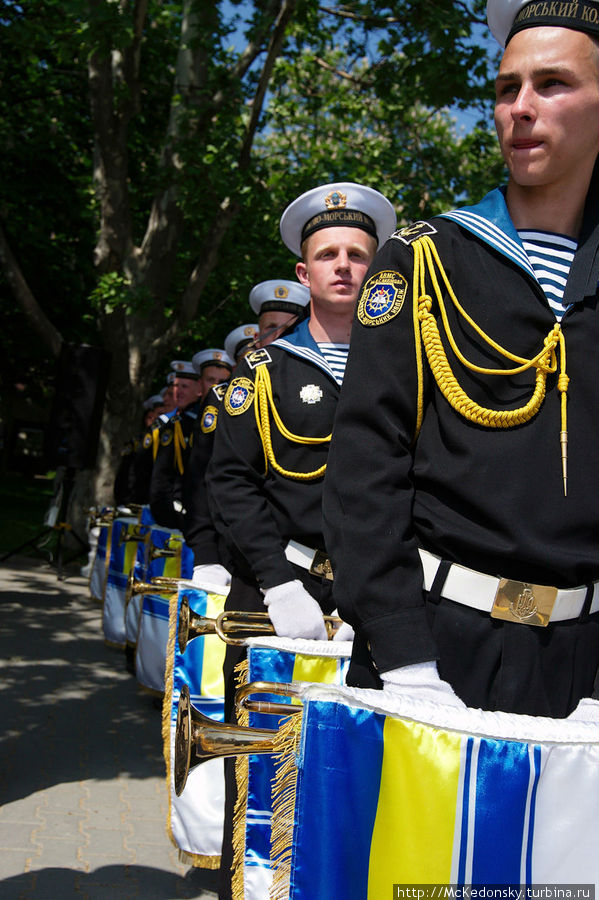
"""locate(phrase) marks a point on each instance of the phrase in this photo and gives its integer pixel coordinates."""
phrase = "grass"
(24, 500)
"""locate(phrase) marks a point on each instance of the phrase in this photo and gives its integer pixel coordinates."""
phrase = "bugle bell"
(192, 625)
(208, 739)
(158, 585)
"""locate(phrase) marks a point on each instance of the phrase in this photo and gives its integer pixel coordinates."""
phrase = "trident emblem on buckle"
(524, 603)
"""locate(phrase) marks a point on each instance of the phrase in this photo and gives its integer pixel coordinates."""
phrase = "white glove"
(422, 682)
(345, 632)
(294, 612)
(210, 574)
(586, 711)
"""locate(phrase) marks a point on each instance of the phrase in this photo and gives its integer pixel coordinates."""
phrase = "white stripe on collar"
(492, 235)
(306, 353)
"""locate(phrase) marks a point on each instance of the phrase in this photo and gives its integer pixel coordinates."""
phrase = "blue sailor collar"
(490, 221)
(301, 343)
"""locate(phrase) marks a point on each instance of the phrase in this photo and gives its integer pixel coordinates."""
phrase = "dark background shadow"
(139, 882)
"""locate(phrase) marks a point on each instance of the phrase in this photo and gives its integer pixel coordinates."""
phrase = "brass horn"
(135, 533)
(158, 585)
(99, 518)
(270, 707)
(192, 625)
(253, 624)
(168, 550)
(209, 739)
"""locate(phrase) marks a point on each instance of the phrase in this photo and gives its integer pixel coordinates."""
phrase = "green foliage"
(114, 291)
(366, 90)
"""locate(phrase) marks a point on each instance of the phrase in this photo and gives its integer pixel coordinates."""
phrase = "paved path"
(82, 781)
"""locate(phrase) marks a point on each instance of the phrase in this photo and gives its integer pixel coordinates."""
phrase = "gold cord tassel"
(179, 443)
(562, 386)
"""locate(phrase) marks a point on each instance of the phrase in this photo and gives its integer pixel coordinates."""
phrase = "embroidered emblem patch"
(311, 393)
(209, 418)
(257, 357)
(240, 396)
(412, 232)
(147, 440)
(382, 298)
(166, 437)
(281, 292)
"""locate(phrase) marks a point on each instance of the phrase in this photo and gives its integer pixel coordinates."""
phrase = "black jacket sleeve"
(368, 493)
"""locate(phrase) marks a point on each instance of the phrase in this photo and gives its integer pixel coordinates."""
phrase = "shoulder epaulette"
(219, 390)
(257, 358)
(412, 232)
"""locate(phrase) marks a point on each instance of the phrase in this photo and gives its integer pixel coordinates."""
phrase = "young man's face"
(334, 265)
(547, 107)
(186, 391)
(168, 401)
(272, 324)
(212, 375)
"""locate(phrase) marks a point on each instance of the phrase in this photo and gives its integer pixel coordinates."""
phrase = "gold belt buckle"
(527, 604)
(321, 565)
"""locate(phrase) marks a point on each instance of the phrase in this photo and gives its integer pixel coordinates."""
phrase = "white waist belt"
(315, 561)
(502, 598)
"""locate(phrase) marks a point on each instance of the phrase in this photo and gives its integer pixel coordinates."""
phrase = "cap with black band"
(507, 17)
(342, 203)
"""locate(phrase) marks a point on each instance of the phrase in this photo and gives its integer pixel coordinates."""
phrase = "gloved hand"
(586, 711)
(345, 632)
(421, 681)
(294, 612)
(210, 574)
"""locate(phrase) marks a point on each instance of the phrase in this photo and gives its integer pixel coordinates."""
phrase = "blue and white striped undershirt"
(336, 356)
(550, 256)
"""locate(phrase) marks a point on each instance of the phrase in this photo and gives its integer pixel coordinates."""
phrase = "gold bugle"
(267, 706)
(210, 739)
(253, 624)
(135, 534)
(99, 519)
(101, 522)
(192, 625)
(158, 552)
(158, 585)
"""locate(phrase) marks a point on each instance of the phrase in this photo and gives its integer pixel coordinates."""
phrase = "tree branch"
(24, 297)
(274, 48)
(359, 82)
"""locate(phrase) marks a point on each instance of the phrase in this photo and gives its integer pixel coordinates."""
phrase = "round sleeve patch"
(147, 442)
(239, 396)
(209, 418)
(382, 298)
(166, 437)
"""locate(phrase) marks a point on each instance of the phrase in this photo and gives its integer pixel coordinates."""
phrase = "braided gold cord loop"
(457, 397)
(426, 331)
(263, 404)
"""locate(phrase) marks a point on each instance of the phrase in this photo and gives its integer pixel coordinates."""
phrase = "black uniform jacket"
(198, 527)
(491, 499)
(257, 509)
(166, 491)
